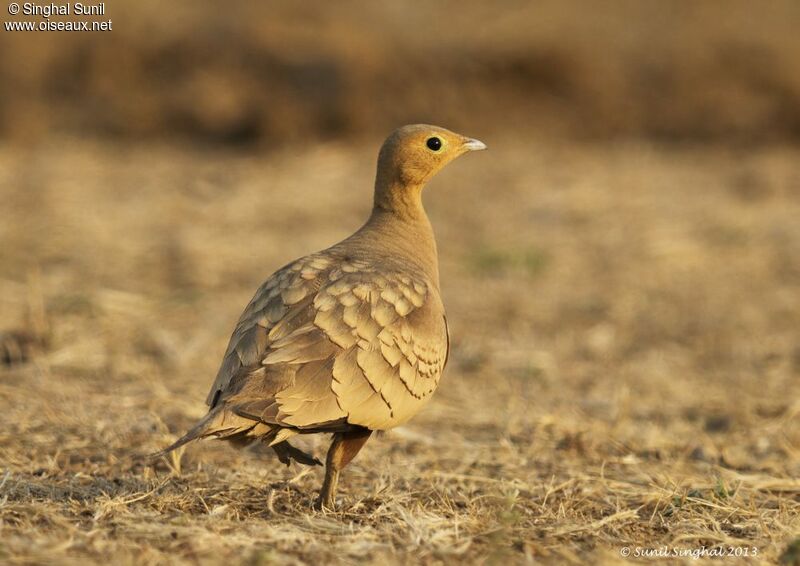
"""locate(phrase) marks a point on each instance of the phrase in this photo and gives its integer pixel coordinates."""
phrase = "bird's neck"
(403, 200)
(404, 231)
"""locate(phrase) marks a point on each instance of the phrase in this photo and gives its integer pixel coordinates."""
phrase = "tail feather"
(207, 426)
(222, 423)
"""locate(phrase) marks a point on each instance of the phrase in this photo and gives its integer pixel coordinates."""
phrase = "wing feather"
(327, 340)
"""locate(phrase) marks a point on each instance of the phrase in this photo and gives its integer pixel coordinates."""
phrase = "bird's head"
(411, 155)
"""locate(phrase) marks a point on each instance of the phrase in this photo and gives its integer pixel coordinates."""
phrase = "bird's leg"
(286, 453)
(343, 449)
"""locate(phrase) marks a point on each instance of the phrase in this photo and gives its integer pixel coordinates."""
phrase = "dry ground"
(625, 364)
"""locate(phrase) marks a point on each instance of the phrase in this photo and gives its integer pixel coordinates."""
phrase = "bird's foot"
(286, 453)
(325, 502)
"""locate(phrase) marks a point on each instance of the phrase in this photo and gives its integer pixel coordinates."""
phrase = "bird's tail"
(218, 422)
(222, 423)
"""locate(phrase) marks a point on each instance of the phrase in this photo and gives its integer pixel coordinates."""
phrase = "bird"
(349, 340)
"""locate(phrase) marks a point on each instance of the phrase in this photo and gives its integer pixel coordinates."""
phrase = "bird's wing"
(282, 299)
(335, 342)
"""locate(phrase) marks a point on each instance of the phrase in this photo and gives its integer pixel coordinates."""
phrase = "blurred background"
(621, 268)
(272, 73)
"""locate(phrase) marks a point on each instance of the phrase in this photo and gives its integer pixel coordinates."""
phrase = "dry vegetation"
(624, 372)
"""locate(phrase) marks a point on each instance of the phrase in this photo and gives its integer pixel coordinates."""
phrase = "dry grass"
(624, 372)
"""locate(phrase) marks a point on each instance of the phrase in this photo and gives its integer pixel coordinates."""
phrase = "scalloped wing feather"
(327, 340)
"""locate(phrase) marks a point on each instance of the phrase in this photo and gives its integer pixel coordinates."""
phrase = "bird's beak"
(473, 145)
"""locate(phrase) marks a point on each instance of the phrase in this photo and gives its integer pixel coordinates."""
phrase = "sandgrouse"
(349, 340)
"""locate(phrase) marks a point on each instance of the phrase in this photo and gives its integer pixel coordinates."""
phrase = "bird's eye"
(434, 144)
